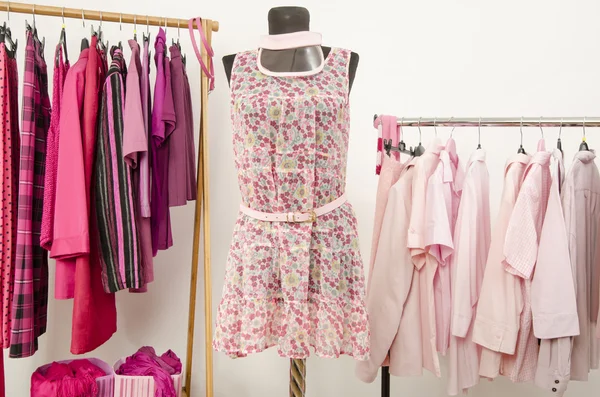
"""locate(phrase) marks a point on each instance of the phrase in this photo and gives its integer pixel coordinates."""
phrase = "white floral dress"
(293, 285)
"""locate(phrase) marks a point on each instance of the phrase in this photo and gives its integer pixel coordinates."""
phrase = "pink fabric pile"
(75, 379)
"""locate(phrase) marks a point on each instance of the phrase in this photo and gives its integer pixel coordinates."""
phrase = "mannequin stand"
(297, 377)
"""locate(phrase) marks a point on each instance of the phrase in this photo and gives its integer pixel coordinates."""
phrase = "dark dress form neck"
(284, 20)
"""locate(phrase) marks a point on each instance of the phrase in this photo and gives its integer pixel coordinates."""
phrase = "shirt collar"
(585, 156)
(435, 146)
(477, 155)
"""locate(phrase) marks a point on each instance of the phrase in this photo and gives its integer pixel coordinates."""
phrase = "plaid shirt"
(30, 302)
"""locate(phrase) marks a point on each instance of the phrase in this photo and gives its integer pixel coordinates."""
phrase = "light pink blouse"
(581, 203)
(425, 263)
(553, 294)
(471, 244)
(498, 310)
(439, 221)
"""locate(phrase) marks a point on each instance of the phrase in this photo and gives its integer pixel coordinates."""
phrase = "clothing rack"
(499, 121)
(201, 217)
(557, 122)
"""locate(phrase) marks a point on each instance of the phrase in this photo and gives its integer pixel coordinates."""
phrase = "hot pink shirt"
(497, 319)
(425, 263)
(394, 321)
(471, 245)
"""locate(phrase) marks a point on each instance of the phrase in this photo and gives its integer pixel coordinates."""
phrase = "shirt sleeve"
(464, 264)
(390, 285)
(415, 240)
(71, 234)
(521, 244)
(438, 233)
(554, 365)
(553, 299)
(500, 303)
(134, 135)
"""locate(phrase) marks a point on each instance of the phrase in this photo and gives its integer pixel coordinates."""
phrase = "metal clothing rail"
(201, 217)
(520, 122)
(499, 121)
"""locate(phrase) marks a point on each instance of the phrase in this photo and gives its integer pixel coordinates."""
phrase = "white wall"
(426, 58)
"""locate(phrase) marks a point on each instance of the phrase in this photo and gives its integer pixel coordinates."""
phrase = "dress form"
(288, 20)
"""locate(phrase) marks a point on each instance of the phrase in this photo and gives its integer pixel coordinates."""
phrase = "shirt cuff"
(70, 247)
(494, 336)
(549, 380)
(460, 325)
(552, 326)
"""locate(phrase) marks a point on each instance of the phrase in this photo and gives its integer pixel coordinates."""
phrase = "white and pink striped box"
(140, 386)
(105, 384)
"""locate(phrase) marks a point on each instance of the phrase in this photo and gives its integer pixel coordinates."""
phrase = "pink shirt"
(497, 319)
(425, 263)
(580, 198)
(388, 176)
(553, 294)
(394, 321)
(438, 242)
(520, 250)
(471, 245)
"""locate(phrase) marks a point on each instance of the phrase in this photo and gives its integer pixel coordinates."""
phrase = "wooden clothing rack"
(201, 217)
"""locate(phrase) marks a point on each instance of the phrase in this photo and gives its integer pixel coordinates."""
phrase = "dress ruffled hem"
(331, 327)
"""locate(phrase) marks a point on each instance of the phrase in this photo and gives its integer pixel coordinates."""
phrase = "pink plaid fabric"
(30, 302)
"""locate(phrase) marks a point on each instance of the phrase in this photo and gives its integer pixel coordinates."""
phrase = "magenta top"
(163, 123)
(182, 154)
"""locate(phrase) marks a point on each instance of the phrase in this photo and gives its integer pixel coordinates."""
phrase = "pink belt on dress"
(294, 217)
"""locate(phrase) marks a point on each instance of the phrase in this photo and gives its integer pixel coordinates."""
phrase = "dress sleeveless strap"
(210, 73)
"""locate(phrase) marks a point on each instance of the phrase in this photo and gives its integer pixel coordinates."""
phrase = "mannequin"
(288, 20)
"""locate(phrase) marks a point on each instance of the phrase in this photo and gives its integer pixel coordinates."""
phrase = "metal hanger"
(541, 129)
(146, 37)
(521, 149)
(63, 39)
(84, 42)
(452, 131)
(135, 27)
(419, 150)
(479, 134)
(583, 146)
(435, 126)
(559, 143)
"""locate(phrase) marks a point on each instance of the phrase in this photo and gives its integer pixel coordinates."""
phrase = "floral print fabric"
(293, 285)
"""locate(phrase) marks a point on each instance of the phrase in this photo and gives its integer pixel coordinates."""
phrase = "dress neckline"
(289, 41)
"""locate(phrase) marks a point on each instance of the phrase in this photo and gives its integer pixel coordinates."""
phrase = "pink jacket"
(393, 314)
(390, 172)
(471, 245)
(498, 310)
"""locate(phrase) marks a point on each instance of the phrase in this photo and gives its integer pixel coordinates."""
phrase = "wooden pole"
(78, 13)
(202, 223)
(297, 377)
